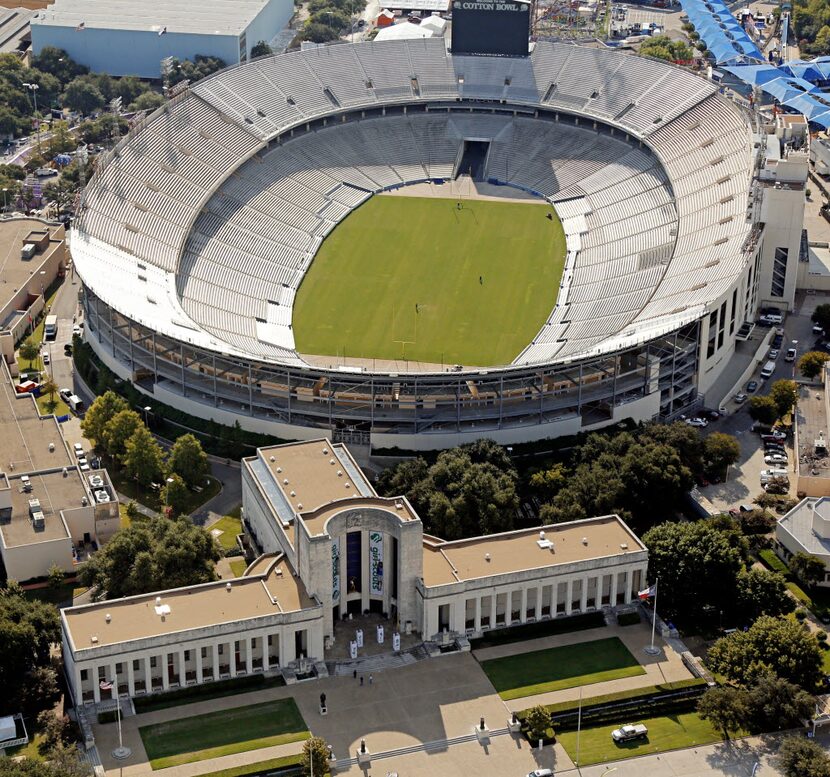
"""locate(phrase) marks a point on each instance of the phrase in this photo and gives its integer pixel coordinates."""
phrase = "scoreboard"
(491, 27)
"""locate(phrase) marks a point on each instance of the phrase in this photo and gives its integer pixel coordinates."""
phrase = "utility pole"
(33, 89)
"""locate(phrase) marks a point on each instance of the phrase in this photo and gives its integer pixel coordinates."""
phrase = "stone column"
(477, 624)
(214, 649)
(569, 596)
(583, 603)
(627, 586)
(523, 611)
(266, 649)
(613, 594)
(148, 675)
(249, 655)
(539, 601)
(79, 685)
(232, 667)
(130, 678)
(96, 688)
(199, 672)
(165, 672)
(182, 669)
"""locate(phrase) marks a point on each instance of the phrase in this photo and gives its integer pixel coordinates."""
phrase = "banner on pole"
(335, 570)
(376, 562)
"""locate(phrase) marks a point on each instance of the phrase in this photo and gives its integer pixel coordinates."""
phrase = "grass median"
(225, 732)
(542, 671)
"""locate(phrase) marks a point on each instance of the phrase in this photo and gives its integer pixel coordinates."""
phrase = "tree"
(261, 49)
(776, 704)
(761, 592)
(538, 721)
(151, 555)
(143, 458)
(697, 565)
(800, 757)
(57, 62)
(821, 316)
(785, 394)
(547, 483)
(39, 690)
(725, 708)
(663, 47)
(318, 33)
(27, 631)
(49, 387)
(763, 409)
(83, 96)
(188, 460)
(147, 101)
(315, 757)
(119, 429)
(63, 762)
(29, 350)
(175, 494)
(812, 363)
(771, 645)
(758, 521)
(807, 568)
(55, 730)
(99, 414)
(720, 450)
(55, 577)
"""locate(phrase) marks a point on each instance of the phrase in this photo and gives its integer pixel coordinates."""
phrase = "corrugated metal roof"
(219, 17)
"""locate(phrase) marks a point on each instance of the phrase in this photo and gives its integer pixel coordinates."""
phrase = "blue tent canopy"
(754, 75)
(724, 36)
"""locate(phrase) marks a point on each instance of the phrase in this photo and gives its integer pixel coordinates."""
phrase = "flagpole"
(120, 752)
(651, 650)
(578, 727)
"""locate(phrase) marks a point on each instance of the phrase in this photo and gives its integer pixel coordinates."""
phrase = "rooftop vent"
(227, 586)
(340, 473)
(108, 617)
(623, 546)
(331, 461)
(399, 505)
(93, 640)
(486, 556)
(300, 506)
(541, 535)
(584, 540)
(325, 451)
(279, 469)
(158, 600)
(51, 447)
(285, 481)
(279, 572)
(347, 485)
(273, 458)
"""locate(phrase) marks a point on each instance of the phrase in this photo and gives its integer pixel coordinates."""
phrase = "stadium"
(391, 244)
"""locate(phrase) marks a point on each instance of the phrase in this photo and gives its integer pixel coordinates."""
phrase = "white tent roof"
(8, 728)
(403, 31)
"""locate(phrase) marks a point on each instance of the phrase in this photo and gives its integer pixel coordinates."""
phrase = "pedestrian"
(481, 280)
(371, 679)
(355, 674)
(458, 205)
(361, 680)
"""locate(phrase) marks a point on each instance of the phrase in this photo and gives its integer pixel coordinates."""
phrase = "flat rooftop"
(25, 435)
(15, 271)
(218, 17)
(276, 591)
(799, 523)
(454, 562)
(316, 521)
(55, 493)
(811, 420)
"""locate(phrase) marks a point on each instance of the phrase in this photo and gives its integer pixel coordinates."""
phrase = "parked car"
(711, 415)
(773, 353)
(629, 732)
(736, 511)
(65, 393)
(77, 330)
(775, 458)
(45, 357)
(539, 772)
(740, 398)
(752, 386)
(774, 436)
(701, 423)
(772, 447)
(791, 354)
(817, 330)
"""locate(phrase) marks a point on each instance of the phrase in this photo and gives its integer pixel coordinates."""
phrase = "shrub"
(215, 690)
(801, 614)
(508, 634)
(629, 618)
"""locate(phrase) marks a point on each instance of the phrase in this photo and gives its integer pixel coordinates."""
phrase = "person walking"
(371, 679)
(361, 679)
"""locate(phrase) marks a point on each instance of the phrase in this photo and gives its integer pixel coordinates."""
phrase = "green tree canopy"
(120, 428)
(763, 408)
(261, 49)
(99, 414)
(147, 101)
(697, 565)
(314, 758)
(318, 33)
(725, 708)
(801, 757)
(151, 555)
(812, 363)
(821, 316)
(761, 592)
(467, 491)
(83, 96)
(188, 460)
(174, 494)
(720, 450)
(785, 394)
(664, 47)
(59, 64)
(777, 646)
(809, 569)
(775, 704)
(538, 721)
(29, 350)
(27, 631)
(143, 457)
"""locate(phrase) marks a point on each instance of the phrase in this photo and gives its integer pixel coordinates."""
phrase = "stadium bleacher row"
(229, 217)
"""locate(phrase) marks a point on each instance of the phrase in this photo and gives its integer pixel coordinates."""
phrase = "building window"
(221, 650)
(102, 673)
(779, 271)
(734, 312)
(713, 331)
(204, 652)
(152, 662)
(354, 561)
(84, 675)
(187, 655)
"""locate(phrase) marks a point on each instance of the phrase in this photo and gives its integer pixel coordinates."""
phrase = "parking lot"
(742, 484)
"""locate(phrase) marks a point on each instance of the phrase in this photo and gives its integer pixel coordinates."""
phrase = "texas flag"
(647, 593)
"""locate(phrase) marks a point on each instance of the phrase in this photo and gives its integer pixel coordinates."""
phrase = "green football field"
(418, 279)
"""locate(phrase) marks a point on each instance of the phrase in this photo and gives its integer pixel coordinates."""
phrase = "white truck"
(629, 732)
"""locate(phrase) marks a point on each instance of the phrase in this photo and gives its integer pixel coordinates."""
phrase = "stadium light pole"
(33, 89)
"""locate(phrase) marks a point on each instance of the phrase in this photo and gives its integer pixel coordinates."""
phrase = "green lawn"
(62, 596)
(151, 498)
(667, 733)
(568, 666)
(54, 406)
(230, 527)
(258, 768)
(238, 566)
(484, 279)
(223, 733)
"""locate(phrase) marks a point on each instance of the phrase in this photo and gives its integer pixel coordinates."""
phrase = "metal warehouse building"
(132, 37)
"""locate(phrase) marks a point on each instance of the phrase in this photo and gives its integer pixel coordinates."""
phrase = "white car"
(773, 353)
(45, 357)
(77, 330)
(791, 353)
(629, 732)
(775, 458)
(740, 399)
(817, 330)
(701, 423)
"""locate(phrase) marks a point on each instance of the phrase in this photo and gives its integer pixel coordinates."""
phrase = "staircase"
(378, 663)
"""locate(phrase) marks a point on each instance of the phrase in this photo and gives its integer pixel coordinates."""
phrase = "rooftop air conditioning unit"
(38, 521)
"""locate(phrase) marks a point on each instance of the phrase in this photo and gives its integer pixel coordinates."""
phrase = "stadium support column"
(250, 390)
(155, 363)
(215, 397)
(181, 363)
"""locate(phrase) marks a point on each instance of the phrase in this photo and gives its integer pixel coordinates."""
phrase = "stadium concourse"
(215, 206)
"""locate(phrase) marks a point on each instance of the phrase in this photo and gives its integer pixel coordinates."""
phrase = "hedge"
(771, 560)
(508, 634)
(215, 690)
(641, 702)
(109, 716)
(285, 766)
(628, 618)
